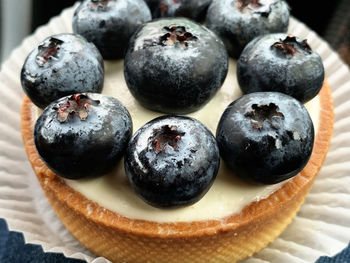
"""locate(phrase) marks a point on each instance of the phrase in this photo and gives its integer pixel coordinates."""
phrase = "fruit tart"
(205, 212)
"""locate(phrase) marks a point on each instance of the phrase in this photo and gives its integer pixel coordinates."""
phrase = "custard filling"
(228, 195)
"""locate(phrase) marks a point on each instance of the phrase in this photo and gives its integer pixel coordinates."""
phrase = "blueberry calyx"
(77, 104)
(254, 5)
(177, 35)
(167, 135)
(261, 114)
(101, 5)
(290, 45)
(241, 4)
(164, 6)
(48, 50)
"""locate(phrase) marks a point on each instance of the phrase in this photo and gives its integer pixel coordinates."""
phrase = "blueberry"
(265, 137)
(62, 65)
(109, 24)
(175, 65)
(278, 62)
(238, 22)
(83, 135)
(172, 161)
(194, 9)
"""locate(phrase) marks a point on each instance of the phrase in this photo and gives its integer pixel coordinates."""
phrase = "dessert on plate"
(233, 220)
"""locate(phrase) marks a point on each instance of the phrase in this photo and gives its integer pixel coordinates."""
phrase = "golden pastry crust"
(121, 239)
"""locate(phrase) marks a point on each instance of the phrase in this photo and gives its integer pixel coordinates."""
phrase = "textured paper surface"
(322, 227)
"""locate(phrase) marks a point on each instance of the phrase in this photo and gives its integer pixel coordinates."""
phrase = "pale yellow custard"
(227, 196)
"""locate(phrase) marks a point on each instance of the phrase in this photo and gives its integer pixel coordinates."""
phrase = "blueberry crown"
(77, 104)
(48, 50)
(100, 5)
(263, 9)
(290, 46)
(177, 35)
(262, 113)
(167, 135)
(164, 6)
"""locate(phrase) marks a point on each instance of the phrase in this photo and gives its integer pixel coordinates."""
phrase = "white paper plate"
(322, 227)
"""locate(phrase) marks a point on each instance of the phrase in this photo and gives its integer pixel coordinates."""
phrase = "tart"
(212, 230)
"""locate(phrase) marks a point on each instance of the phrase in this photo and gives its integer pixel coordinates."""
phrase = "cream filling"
(228, 195)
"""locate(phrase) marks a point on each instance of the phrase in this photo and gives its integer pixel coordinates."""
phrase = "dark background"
(315, 13)
(329, 19)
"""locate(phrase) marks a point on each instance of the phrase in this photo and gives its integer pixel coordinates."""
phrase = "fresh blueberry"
(172, 161)
(83, 135)
(238, 22)
(278, 62)
(175, 65)
(194, 9)
(265, 137)
(62, 65)
(109, 24)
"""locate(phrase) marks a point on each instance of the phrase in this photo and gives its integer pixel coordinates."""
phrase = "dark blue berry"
(194, 9)
(109, 24)
(172, 161)
(83, 135)
(238, 22)
(175, 65)
(62, 65)
(265, 137)
(282, 63)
